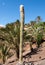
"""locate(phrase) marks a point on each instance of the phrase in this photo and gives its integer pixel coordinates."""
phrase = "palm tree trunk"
(21, 31)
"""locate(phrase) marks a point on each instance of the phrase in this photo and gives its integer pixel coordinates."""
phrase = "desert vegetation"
(10, 37)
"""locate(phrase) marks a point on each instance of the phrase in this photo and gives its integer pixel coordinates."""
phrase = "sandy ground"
(37, 58)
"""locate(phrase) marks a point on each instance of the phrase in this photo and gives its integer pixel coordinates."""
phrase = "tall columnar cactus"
(21, 31)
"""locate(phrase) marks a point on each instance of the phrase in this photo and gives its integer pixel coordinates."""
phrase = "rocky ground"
(37, 58)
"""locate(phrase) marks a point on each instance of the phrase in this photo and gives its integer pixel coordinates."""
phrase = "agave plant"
(4, 52)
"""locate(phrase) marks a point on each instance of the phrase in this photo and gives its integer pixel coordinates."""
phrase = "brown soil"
(37, 57)
(40, 53)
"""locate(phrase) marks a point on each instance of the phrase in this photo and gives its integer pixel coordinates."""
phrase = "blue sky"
(9, 10)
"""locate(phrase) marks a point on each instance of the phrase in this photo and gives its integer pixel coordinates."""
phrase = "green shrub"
(39, 39)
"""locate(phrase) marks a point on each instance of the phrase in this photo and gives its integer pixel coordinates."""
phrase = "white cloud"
(2, 25)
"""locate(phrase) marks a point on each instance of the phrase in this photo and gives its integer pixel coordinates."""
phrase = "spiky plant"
(4, 52)
(11, 33)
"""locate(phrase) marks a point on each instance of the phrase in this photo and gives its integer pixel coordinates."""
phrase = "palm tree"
(38, 19)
